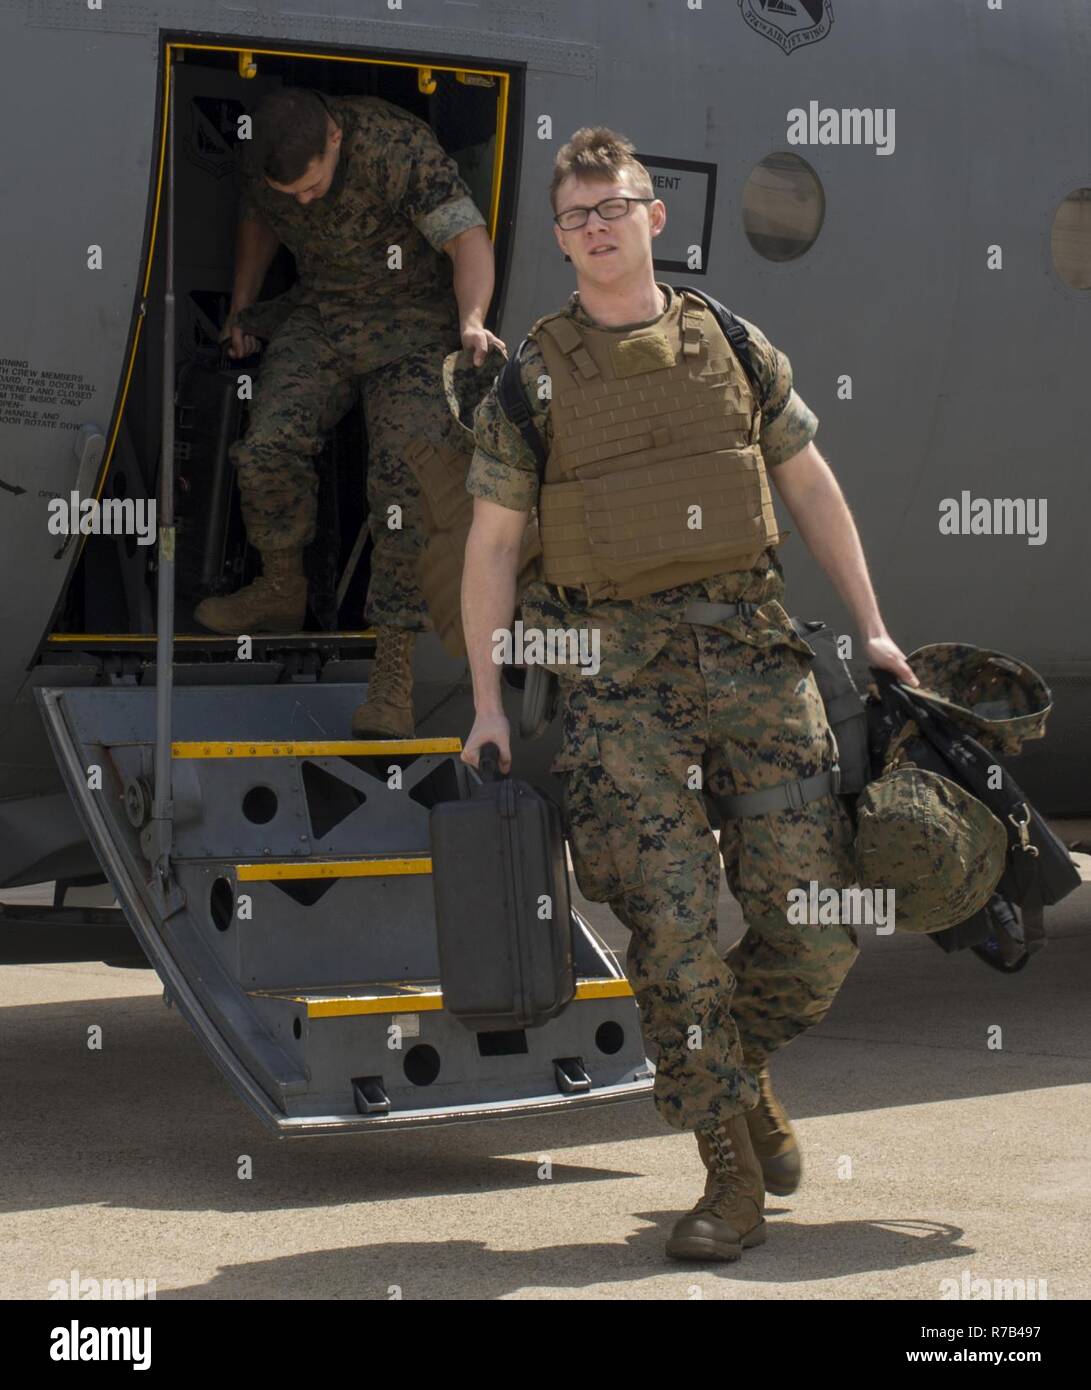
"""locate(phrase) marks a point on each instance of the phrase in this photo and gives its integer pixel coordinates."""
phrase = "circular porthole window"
(783, 207)
(1070, 240)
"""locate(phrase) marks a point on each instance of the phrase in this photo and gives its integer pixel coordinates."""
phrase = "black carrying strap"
(512, 396)
(511, 393)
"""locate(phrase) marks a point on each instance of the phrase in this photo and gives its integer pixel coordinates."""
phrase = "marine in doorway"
(651, 420)
(395, 270)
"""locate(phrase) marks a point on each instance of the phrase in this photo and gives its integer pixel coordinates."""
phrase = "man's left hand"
(480, 341)
(888, 656)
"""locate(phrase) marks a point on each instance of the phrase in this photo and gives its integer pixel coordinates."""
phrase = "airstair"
(295, 929)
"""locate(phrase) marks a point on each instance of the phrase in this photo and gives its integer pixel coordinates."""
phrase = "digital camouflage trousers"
(732, 716)
(305, 385)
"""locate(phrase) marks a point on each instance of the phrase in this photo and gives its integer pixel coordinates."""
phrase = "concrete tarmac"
(929, 1155)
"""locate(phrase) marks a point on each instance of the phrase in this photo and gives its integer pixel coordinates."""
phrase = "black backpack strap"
(733, 331)
(511, 393)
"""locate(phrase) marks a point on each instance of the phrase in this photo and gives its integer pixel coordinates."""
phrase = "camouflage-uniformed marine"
(733, 704)
(357, 319)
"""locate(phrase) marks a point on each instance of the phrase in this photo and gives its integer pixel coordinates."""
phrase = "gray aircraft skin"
(936, 315)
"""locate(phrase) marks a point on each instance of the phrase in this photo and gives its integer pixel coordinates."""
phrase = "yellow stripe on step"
(375, 1004)
(603, 989)
(344, 748)
(332, 868)
(425, 1000)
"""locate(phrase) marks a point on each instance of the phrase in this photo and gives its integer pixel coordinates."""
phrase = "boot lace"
(392, 676)
(723, 1168)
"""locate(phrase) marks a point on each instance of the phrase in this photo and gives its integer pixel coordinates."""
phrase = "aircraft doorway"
(112, 593)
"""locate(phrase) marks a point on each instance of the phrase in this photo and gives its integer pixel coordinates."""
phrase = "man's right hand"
(489, 728)
(240, 344)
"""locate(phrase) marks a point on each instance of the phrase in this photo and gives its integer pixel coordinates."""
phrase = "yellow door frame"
(248, 67)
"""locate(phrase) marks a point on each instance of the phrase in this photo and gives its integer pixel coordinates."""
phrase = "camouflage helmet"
(940, 849)
(998, 699)
(465, 385)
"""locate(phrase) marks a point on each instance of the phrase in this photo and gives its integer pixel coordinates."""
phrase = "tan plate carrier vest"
(655, 477)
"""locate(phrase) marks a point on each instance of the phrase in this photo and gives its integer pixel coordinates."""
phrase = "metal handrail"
(159, 843)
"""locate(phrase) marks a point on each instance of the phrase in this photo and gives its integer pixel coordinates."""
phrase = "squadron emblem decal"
(791, 23)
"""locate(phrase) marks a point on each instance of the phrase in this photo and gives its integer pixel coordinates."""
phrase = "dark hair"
(289, 132)
(597, 152)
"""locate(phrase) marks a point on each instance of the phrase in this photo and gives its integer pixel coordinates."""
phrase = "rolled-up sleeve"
(503, 469)
(449, 220)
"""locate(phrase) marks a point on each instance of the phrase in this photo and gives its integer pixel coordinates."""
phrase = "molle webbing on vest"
(637, 519)
(641, 456)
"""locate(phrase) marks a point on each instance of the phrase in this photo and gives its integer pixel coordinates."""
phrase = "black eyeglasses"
(609, 209)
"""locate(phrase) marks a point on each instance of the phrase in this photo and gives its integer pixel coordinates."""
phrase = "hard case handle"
(488, 764)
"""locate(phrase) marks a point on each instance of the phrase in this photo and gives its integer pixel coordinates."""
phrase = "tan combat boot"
(774, 1141)
(728, 1218)
(388, 710)
(275, 602)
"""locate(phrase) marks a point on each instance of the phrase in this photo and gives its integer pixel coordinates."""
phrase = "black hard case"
(495, 857)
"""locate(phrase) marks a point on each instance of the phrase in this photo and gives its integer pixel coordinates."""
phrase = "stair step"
(364, 867)
(408, 996)
(338, 748)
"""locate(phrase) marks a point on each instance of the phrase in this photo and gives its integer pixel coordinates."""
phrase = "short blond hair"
(597, 152)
